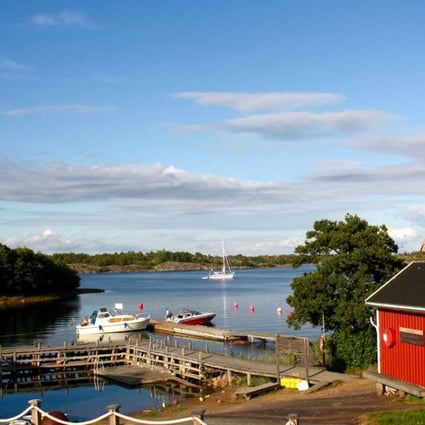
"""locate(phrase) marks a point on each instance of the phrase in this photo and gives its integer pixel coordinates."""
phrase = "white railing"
(37, 414)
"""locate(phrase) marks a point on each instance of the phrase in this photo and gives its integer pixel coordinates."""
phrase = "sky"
(171, 124)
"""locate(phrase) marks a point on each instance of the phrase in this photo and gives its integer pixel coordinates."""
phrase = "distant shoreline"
(163, 267)
(17, 300)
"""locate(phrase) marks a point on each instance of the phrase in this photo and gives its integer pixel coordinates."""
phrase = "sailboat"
(225, 273)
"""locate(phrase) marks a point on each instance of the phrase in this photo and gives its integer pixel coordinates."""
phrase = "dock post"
(199, 413)
(114, 419)
(35, 414)
(229, 376)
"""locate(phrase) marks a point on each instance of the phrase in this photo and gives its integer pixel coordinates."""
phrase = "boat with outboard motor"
(190, 317)
(103, 321)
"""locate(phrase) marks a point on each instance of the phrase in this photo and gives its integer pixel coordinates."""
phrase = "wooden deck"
(248, 392)
(198, 331)
(383, 381)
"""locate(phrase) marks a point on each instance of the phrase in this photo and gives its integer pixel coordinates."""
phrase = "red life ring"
(389, 337)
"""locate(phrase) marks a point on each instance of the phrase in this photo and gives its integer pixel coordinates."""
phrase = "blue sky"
(148, 125)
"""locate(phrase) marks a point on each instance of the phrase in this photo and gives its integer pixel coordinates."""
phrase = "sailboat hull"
(221, 275)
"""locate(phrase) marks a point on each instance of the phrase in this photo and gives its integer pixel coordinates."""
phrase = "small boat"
(191, 317)
(225, 273)
(103, 321)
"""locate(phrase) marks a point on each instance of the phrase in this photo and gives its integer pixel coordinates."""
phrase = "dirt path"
(342, 403)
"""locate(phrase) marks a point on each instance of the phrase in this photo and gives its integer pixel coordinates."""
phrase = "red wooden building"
(400, 323)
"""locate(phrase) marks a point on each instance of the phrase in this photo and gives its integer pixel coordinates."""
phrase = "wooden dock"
(202, 332)
(73, 364)
(249, 392)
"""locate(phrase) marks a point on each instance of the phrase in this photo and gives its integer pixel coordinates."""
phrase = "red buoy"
(140, 307)
(251, 308)
(235, 305)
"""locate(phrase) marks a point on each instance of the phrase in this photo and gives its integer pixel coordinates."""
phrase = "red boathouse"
(400, 324)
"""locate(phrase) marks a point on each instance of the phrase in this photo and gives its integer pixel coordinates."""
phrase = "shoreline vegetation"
(19, 300)
(160, 261)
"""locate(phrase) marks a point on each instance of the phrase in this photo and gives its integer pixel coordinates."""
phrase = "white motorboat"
(106, 337)
(103, 321)
(225, 273)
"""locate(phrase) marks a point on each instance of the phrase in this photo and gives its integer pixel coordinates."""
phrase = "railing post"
(114, 419)
(35, 413)
(198, 413)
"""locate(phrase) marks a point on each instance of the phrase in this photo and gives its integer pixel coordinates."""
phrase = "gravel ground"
(341, 403)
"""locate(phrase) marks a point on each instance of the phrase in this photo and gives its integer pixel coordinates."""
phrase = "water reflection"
(28, 323)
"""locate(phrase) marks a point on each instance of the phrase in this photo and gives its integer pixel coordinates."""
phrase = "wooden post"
(229, 376)
(248, 379)
(114, 419)
(307, 357)
(277, 350)
(35, 413)
(198, 413)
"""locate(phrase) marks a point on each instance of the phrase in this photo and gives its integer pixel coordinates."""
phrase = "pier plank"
(248, 392)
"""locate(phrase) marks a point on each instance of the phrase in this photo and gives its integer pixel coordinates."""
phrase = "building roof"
(404, 291)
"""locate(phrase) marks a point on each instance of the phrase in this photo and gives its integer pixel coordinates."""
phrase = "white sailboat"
(225, 273)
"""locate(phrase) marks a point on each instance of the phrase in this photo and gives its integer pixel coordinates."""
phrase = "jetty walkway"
(77, 364)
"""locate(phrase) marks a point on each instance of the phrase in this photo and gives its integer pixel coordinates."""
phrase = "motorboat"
(225, 273)
(192, 317)
(103, 321)
(106, 337)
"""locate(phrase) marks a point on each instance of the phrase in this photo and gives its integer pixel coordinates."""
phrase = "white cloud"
(300, 125)
(47, 109)
(10, 65)
(189, 193)
(246, 102)
(45, 241)
(65, 18)
(407, 145)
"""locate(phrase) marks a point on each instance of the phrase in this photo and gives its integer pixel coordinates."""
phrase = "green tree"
(23, 272)
(352, 260)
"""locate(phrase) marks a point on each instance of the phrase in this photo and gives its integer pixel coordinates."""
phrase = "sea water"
(255, 300)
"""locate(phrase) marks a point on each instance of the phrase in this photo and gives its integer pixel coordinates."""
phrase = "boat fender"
(322, 343)
(126, 325)
(100, 328)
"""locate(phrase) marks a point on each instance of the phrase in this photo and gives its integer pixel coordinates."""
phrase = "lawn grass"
(405, 417)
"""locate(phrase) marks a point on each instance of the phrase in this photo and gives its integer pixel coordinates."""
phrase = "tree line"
(151, 260)
(26, 273)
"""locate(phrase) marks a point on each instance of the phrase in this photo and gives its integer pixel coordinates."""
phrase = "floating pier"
(28, 367)
(208, 332)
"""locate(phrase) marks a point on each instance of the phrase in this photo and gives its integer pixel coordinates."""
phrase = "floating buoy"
(279, 310)
(235, 305)
(290, 314)
(140, 307)
(251, 308)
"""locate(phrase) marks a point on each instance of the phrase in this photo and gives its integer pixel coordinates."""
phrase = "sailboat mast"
(224, 255)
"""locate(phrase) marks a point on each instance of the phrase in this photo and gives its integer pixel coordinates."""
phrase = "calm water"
(251, 301)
